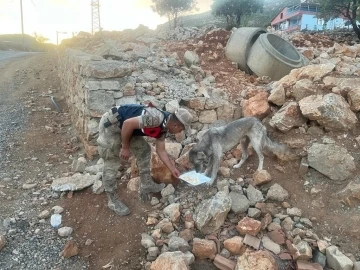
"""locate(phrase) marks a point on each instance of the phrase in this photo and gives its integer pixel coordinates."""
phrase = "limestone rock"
(239, 203)
(277, 95)
(210, 214)
(337, 260)
(178, 244)
(204, 249)
(277, 193)
(288, 117)
(172, 211)
(249, 226)
(261, 177)
(170, 260)
(254, 195)
(257, 106)
(256, 260)
(331, 160)
(330, 111)
(72, 183)
(234, 244)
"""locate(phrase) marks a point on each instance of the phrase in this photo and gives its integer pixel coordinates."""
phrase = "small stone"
(337, 260)
(153, 251)
(261, 177)
(167, 191)
(225, 253)
(277, 236)
(44, 214)
(178, 244)
(303, 265)
(270, 245)
(2, 242)
(29, 186)
(234, 245)
(71, 249)
(57, 209)
(203, 249)
(277, 193)
(248, 226)
(223, 263)
(294, 212)
(252, 241)
(65, 231)
(88, 242)
(319, 258)
(254, 213)
(147, 241)
(254, 195)
(303, 251)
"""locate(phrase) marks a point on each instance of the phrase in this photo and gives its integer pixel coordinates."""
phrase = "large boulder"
(331, 160)
(257, 106)
(288, 117)
(331, 111)
(210, 214)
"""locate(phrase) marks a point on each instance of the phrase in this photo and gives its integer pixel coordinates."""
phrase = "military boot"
(116, 205)
(147, 185)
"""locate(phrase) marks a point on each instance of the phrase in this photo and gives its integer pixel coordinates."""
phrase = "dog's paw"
(209, 184)
(236, 166)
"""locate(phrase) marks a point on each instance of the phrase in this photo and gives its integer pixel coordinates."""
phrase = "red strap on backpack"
(155, 132)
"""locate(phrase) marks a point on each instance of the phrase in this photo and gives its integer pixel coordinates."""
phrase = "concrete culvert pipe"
(239, 45)
(273, 56)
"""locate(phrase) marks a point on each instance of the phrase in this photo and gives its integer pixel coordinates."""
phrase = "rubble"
(241, 216)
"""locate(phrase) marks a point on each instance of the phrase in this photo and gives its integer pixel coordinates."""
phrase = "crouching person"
(121, 131)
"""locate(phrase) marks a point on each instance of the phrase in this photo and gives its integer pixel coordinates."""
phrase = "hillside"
(271, 9)
(14, 42)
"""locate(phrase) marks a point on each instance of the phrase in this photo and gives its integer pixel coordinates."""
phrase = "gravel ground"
(31, 242)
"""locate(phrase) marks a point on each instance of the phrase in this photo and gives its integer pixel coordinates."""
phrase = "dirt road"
(34, 142)
(27, 156)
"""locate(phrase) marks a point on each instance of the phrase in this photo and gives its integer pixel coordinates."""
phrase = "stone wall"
(93, 83)
(91, 86)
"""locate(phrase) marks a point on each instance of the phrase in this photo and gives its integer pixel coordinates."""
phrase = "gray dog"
(217, 141)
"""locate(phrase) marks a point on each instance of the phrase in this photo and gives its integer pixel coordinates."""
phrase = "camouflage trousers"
(109, 145)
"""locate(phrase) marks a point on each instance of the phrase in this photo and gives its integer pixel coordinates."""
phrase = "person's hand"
(175, 172)
(124, 153)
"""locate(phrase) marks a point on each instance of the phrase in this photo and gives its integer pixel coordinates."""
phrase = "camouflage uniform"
(109, 145)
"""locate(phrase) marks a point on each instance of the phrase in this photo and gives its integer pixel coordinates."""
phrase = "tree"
(234, 10)
(40, 38)
(173, 9)
(348, 9)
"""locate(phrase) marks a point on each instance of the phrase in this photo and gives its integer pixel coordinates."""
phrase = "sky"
(46, 17)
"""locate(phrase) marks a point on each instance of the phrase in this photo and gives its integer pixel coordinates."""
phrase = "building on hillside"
(303, 16)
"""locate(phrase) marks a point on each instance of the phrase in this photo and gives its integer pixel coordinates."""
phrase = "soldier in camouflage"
(121, 131)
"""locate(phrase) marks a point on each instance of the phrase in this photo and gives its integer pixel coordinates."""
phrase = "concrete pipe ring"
(273, 56)
(240, 43)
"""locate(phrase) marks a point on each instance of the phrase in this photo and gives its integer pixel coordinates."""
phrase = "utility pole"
(22, 25)
(57, 37)
(95, 16)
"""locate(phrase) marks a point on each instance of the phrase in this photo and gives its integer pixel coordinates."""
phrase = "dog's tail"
(278, 149)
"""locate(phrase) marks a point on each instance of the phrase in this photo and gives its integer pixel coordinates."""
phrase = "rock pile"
(236, 226)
